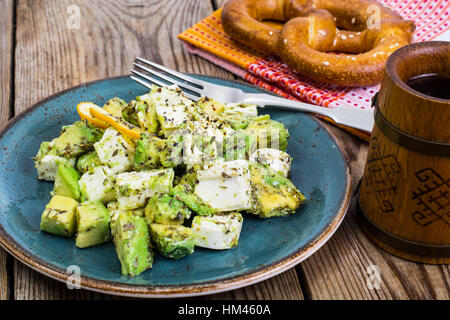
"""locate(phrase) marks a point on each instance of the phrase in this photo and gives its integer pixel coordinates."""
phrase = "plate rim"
(183, 290)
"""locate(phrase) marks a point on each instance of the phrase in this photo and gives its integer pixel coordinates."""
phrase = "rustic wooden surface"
(41, 55)
(6, 45)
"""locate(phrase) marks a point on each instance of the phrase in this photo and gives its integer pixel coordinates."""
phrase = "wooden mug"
(404, 196)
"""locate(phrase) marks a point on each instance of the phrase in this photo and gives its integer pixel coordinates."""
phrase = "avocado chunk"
(59, 217)
(269, 133)
(134, 188)
(166, 210)
(172, 241)
(172, 155)
(148, 151)
(93, 224)
(66, 183)
(133, 246)
(210, 106)
(239, 116)
(87, 162)
(239, 146)
(47, 160)
(76, 139)
(185, 194)
(146, 114)
(129, 113)
(273, 194)
(114, 211)
(115, 106)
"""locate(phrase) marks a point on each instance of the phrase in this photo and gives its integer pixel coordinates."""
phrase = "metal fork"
(150, 72)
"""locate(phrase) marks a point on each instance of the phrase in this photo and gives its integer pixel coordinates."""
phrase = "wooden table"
(42, 52)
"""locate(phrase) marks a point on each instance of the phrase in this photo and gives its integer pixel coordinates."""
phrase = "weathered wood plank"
(51, 57)
(6, 49)
(339, 270)
(285, 286)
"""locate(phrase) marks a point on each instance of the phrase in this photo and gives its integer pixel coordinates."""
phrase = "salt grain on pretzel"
(315, 29)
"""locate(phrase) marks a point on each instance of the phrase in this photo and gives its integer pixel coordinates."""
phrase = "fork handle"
(262, 99)
(351, 117)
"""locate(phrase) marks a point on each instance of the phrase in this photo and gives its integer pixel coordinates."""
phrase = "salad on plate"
(164, 174)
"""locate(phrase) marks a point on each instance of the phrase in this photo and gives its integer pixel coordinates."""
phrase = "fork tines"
(147, 73)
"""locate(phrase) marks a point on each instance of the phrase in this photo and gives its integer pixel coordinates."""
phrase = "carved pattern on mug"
(381, 177)
(433, 197)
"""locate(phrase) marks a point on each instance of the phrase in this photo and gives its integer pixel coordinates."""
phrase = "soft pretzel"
(315, 30)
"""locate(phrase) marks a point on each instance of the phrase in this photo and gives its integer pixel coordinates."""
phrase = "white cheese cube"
(207, 128)
(114, 151)
(218, 231)
(48, 165)
(279, 161)
(167, 97)
(198, 149)
(134, 188)
(171, 118)
(97, 185)
(47, 160)
(171, 107)
(225, 186)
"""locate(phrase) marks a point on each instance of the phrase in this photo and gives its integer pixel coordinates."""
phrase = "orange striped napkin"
(208, 40)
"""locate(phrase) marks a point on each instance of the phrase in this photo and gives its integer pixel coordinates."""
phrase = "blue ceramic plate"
(266, 246)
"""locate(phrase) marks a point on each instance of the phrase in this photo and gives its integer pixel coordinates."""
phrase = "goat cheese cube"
(218, 231)
(279, 161)
(47, 160)
(198, 149)
(225, 186)
(97, 185)
(167, 97)
(171, 118)
(114, 151)
(134, 188)
(171, 107)
(207, 127)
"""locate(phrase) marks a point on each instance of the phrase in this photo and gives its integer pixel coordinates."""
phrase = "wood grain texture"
(285, 286)
(344, 268)
(51, 57)
(6, 49)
